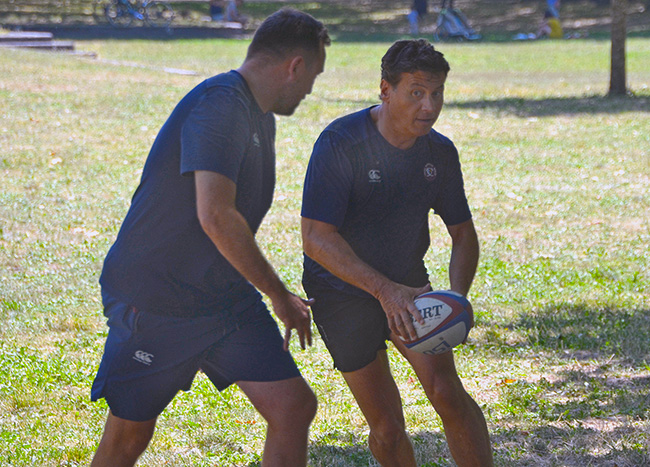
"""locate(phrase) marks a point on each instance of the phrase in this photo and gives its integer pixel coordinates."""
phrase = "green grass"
(558, 180)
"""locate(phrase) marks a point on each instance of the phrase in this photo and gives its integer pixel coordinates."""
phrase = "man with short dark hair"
(372, 180)
(180, 284)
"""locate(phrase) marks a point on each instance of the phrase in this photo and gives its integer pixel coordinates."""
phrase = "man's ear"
(384, 88)
(295, 65)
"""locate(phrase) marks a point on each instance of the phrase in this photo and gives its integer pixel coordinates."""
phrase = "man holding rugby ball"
(372, 180)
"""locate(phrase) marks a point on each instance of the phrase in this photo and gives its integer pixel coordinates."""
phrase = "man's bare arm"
(325, 245)
(229, 231)
(464, 257)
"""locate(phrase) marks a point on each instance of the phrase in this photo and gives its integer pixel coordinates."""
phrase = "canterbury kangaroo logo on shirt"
(374, 176)
(143, 357)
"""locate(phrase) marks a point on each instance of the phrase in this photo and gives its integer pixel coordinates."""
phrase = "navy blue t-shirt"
(162, 260)
(379, 197)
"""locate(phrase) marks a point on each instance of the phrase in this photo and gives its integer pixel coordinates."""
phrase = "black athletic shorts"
(148, 358)
(354, 328)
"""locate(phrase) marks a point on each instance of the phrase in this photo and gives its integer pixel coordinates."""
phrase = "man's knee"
(446, 393)
(123, 441)
(387, 435)
(137, 442)
(294, 409)
(302, 407)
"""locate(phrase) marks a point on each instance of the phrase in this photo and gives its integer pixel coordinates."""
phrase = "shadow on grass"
(345, 450)
(527, 108)
(336, 449)
(558, 105)
(324, 455)
(586, 332)
(604, 443)
(591, 409)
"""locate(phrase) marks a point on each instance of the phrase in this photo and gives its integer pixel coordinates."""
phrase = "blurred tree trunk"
(617, 82)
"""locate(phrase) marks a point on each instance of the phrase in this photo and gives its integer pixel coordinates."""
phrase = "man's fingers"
(308, 326)
(287, 338)
(305, 336)
(307, 330)
(404, 328)
(413, 310)
(303, 328)
(394, 329)
(410, 330)
(405, 322)
(302, 340)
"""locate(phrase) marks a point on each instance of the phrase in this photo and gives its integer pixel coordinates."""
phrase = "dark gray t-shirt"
(162, 260)
(379, 197)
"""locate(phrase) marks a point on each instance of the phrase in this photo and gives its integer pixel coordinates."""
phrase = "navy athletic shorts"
(354, 328)
(148, 358)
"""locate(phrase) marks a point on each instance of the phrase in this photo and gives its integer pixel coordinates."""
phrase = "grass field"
(558, 178)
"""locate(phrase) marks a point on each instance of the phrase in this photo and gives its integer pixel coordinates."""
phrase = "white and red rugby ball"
(447, 320)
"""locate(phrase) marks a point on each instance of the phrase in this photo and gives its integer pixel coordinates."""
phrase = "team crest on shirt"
(374, 176)
(430, 172)
(256, 140)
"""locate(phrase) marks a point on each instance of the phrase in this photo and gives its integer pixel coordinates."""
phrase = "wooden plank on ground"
(15, 36)
(40, 45)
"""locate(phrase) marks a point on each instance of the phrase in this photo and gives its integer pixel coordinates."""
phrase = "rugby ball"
(447, 321)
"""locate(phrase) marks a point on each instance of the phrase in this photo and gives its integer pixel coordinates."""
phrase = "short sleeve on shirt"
(451, 205)
(216, 134)
(328, 182)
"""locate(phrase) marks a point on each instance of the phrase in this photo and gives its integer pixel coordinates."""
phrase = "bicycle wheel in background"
(118, 14)
(158, 14)
(441, 32)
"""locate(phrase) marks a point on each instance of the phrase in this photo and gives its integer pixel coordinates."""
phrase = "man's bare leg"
(376, 393)
(465, 427)
(288, 406)
(123, 442)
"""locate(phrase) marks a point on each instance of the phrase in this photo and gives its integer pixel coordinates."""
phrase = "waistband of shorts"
(237, 307)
